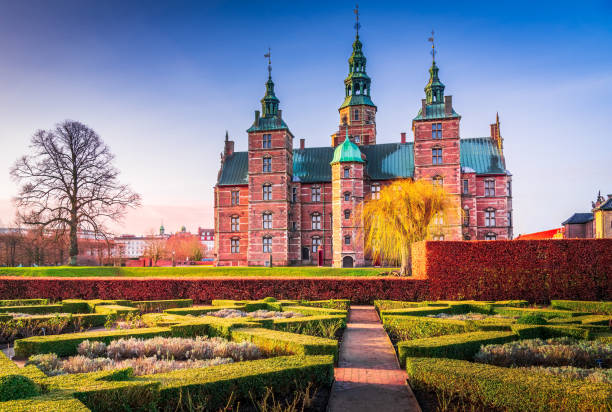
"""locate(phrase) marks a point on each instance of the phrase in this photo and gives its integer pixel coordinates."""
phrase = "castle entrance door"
(347, 262)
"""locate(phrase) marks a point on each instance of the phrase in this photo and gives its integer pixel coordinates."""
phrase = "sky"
(161, 82)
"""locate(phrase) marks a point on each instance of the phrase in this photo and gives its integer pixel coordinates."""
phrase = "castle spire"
(269, 103)
(434, 90)
(357, 83)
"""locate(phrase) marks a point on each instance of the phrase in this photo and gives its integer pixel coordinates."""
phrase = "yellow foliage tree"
(399, 217)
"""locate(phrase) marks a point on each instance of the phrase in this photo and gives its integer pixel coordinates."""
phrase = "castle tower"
(348, 169)
(437, 151)
(357, 112)
(270, 168)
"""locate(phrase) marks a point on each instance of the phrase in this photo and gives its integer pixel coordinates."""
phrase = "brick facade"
(293, 207)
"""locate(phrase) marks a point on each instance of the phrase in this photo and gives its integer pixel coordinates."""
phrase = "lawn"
(192, 271)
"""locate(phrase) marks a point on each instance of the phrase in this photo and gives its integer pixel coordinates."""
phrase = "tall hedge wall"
(536, 270)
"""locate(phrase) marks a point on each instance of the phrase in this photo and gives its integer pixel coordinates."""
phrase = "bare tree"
(68, 182)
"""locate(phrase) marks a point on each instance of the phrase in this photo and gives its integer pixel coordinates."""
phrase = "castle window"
(509, 188)
(438, 219)
(267, 220)
(267, 244)
(315, 194)
(466, 216)
(235, 226)
(438, 237)
(294, 226)
(436, 156)
(489, 188)
(509, 219)
(438, 181)
(267, 164)
(347, 172)
(316, 243)
(267, 141)
(375, 190)
(235, 197)
(490, 218)
(347, 214)
(356, 114)
(347, 240)
(436, 130)
(235, 245)
(316, 221)
(347, 196)
(267, 192)
(357, 139)
(294, 194)
(490, 236)
(466, 187)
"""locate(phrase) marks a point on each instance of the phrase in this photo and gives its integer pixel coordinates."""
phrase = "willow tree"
(399, 217)
(69, 184)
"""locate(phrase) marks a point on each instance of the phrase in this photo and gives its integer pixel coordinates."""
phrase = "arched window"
(490, 236)
(438, 181)
(235, 224)
(436, 156)
(267, 220)
(316, 244)
(347, 196)
(347, 214)
(267, 164)
(316, 221)
(347, 172)
(490, 217)
(267, 244)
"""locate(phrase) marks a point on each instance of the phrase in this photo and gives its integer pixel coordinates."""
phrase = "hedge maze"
(291, 344)
(505, 355)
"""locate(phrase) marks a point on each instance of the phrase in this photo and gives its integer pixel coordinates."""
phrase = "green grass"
(192, 271)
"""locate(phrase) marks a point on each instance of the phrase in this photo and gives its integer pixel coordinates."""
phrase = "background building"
(597, 223)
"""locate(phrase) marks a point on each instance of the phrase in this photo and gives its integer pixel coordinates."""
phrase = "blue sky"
(162, 81)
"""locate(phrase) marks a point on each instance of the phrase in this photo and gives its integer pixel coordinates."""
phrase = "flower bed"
(259, 314)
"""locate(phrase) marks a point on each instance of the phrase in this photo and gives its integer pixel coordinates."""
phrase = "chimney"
(302, 144)
(228, 150)
(448, 105)
(424, 108)
(494, 130)
(256, 116)
(403, 134)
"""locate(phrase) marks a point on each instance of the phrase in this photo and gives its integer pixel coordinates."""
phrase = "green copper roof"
(269, 123)
(270, 118)
(355, 100)
(357, 83)
(482, 155)
(347, 152)
(383, 162)
(435, 111)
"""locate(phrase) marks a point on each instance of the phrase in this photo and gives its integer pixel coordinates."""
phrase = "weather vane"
(433, 46)
(268, 56)
(357, 24)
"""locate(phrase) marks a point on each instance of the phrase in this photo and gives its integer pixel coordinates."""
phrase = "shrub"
(583, 306)
(17, 387)
(531, 319)
(315, 311)
(274, 342)
(23, 302)
(161, 305)
(416, 327)
(32, 309)
(459, 346)
(551, 352)
(546, 313)
(202, 310)
(67, 344)
(49, 363)
(341, 304)
(269, 299)
(91, 349)
(322, 326)
(507, 389)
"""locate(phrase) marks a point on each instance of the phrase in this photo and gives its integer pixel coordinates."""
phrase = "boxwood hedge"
(583, 306)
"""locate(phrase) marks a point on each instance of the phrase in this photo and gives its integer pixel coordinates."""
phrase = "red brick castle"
(275, 203)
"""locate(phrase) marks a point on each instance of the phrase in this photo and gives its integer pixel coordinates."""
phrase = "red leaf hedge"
(535, 270)
(359, 290)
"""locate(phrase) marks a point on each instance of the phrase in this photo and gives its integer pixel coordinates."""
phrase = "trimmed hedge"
(66, 344)
(201, 310)
(546, 313)
(282, 343)
(310, 325)
(360, 290)
(161, 305)
(341, 304)
(118, 309)
(46, 403)
(23, 302)
(459, 346)
(550, 331)
(32, 309)
(314, 311)
(416, 327)
(583, 306)
(508, 389)
(211, 387)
